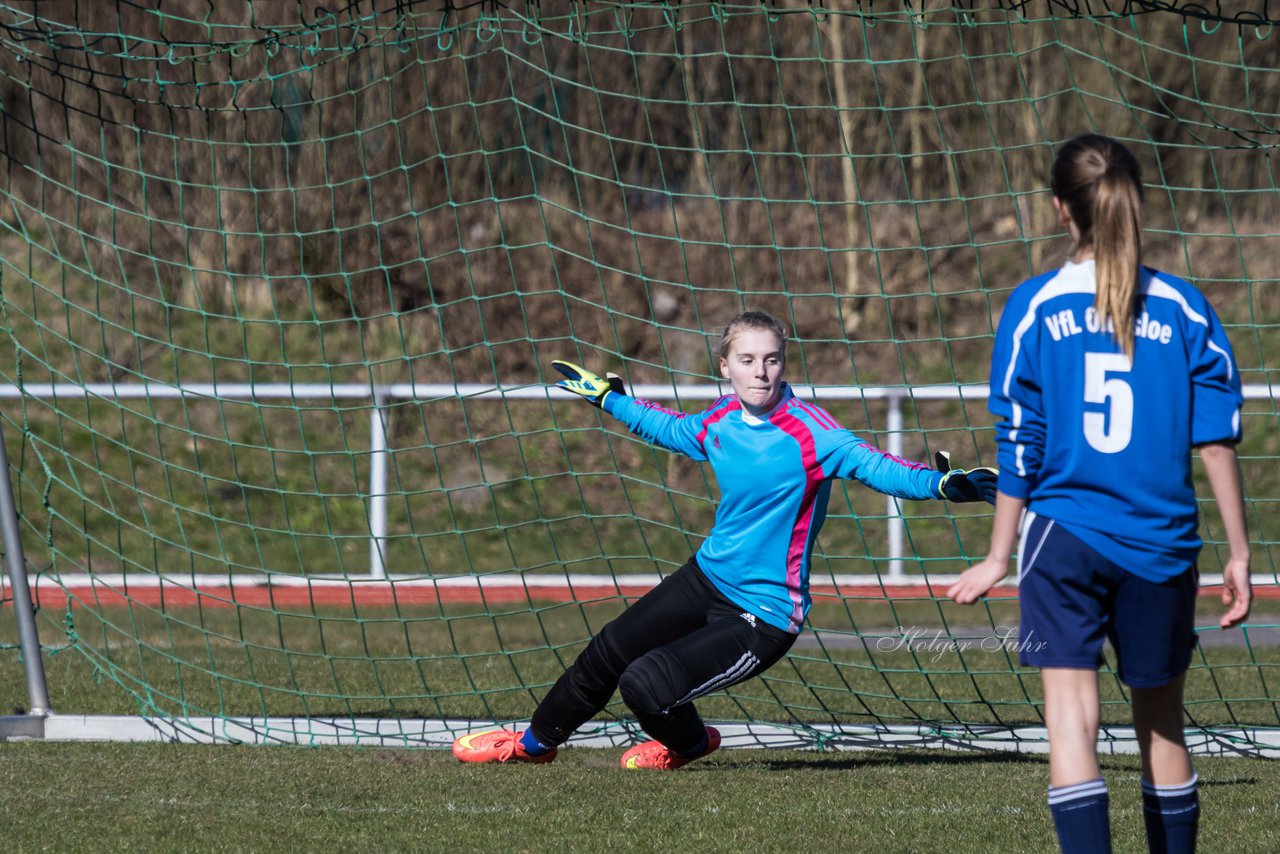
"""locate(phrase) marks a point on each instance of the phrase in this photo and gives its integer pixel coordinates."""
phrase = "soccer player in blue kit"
(736, 607)
(1105, 374)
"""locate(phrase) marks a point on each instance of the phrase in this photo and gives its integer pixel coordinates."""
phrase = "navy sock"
(695, 751)
(1172, 816)
(1080, 817)
(532, 746)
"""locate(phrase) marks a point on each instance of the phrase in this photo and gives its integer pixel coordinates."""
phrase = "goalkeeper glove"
(961, 485)
(583, 382)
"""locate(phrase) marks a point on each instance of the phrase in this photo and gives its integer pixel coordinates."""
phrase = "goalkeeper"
(736, 607)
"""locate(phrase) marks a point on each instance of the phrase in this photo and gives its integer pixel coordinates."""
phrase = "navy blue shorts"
(1072, 598)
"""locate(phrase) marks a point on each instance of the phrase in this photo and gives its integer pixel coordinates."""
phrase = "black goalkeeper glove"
(964, 485)
(583, 382)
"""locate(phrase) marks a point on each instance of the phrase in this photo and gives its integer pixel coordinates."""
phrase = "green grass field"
(79, 797)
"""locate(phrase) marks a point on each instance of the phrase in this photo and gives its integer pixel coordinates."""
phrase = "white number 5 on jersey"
(1108, 435)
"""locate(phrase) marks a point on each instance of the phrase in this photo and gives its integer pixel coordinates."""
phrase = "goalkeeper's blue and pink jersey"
(1106, 454)
(774, 474)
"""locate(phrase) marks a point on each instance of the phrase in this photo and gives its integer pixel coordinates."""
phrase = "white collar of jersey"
(757, 420)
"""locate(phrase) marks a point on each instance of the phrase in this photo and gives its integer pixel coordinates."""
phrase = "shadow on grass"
(852, 761)
(849, 760)
(1238, 781)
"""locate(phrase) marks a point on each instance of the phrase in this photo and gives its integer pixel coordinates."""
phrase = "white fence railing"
(381, 395)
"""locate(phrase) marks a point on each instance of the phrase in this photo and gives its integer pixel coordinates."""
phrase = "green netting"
(261, 261)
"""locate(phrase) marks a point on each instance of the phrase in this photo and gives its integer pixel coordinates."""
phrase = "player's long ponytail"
(1099, 181)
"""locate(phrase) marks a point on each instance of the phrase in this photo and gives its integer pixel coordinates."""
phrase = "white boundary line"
(439, 734)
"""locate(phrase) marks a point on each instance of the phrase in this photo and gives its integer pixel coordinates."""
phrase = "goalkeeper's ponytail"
(1099, 181)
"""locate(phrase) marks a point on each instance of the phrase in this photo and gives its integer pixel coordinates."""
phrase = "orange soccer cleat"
(496, 745)
(654, 754)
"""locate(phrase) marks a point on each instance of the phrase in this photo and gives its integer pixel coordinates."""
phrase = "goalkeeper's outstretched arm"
(965, 485)
(590, 387)
(674, 431)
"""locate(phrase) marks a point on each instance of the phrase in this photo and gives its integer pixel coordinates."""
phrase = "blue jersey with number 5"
(1097, 442)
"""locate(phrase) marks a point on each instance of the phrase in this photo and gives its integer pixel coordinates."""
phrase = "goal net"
(281, 287)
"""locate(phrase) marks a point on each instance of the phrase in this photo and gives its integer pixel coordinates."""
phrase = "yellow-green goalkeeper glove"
(964, 485)
(581, 381)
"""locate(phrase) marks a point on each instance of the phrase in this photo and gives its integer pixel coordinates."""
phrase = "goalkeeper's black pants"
(679, 641)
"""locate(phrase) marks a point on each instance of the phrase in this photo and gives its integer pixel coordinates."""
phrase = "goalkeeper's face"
(754, 366)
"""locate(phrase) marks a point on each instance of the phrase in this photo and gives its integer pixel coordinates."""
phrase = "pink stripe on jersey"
(730, 404)
(820, 415)
(800, 531)
(649, 404)
(897, 459)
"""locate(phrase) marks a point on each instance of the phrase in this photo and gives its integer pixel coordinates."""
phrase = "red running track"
(301, 594)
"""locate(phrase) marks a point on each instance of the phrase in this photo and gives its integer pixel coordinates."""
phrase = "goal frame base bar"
(439, 734)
